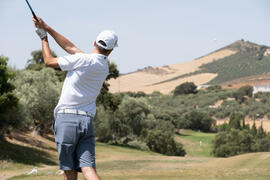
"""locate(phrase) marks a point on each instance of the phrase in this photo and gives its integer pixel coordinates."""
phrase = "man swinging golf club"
(74, 114)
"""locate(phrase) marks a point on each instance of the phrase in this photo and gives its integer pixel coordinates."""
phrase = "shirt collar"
(101, 56)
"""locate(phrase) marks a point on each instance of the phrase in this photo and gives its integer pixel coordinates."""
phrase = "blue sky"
(151, 32)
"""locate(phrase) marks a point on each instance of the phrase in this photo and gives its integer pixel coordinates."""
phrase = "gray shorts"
(75, 140)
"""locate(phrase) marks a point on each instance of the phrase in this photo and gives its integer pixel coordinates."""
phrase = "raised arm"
(63, 42)
(49, 60)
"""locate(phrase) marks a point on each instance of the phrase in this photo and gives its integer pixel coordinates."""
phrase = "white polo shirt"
(85, 77)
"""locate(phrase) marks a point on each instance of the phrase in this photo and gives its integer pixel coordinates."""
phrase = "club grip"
(34, 15)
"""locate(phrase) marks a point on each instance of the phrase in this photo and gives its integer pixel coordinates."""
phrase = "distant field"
(191, 141)
(119, 163)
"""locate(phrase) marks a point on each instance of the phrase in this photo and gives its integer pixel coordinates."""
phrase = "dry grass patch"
(143, 80)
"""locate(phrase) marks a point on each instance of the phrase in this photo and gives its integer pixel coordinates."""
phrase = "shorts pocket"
(53, 127)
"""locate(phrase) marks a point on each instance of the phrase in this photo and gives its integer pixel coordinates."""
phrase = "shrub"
(139, 145)
(163, 142)
(214, 88)
(185, 88)
(263, 145)
(223, 127)
(232, 143)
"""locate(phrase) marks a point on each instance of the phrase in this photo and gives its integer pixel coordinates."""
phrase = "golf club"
(34, 15)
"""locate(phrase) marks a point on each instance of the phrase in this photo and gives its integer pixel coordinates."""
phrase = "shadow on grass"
(34, 142)
(25, 155)
(50, 138)
(126, 146)
(181, 134)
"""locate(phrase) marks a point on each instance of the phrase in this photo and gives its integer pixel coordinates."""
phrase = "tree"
(199, 121)
(37, 57)
(185, 88)
(241, 93)
(108, 100)
(254, 130)
(38, 92)
(102, 125)
(8, 101)
(105, 98)
(134, 113)
(246, 90)
(260, 132)
(113, 71)
(239, 96)
(235, 121)
(125, 122)
(37, 64)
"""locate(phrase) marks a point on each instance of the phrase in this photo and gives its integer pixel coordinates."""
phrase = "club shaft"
(33, 13)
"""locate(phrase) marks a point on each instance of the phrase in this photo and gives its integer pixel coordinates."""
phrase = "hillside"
(238, 60)
(26, 151)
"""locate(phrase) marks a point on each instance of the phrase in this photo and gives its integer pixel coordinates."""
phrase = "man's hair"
(101, 49)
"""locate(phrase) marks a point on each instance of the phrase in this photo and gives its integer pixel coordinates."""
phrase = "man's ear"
(95, 44)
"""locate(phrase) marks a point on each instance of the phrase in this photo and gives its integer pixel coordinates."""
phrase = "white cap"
(109, 38)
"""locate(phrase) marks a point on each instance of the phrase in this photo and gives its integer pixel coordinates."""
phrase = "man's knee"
(90, 173)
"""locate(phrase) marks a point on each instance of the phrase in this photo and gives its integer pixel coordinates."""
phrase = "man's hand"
(40, 24)
(41, 33)
(67, 45)
(41, 27)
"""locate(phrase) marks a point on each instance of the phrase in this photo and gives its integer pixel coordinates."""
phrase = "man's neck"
(95, 51)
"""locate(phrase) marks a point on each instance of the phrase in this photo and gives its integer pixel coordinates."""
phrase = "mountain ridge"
(251, 58)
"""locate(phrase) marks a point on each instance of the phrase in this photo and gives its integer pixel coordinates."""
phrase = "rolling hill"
(238, 61)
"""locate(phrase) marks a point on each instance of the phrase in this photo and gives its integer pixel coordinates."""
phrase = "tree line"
(137, 120)
(29, 96)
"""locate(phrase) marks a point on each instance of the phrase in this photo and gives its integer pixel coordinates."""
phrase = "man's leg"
(89, 173)
(66, 138)
(70, 175)
(86, 150)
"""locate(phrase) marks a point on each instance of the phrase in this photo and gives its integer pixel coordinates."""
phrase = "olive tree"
(39, 92)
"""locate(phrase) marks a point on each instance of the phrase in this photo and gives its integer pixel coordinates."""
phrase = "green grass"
(245, 167)
(121, 163)
(191, 141)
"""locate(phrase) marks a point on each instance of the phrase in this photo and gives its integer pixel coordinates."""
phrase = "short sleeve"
(71, 62)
